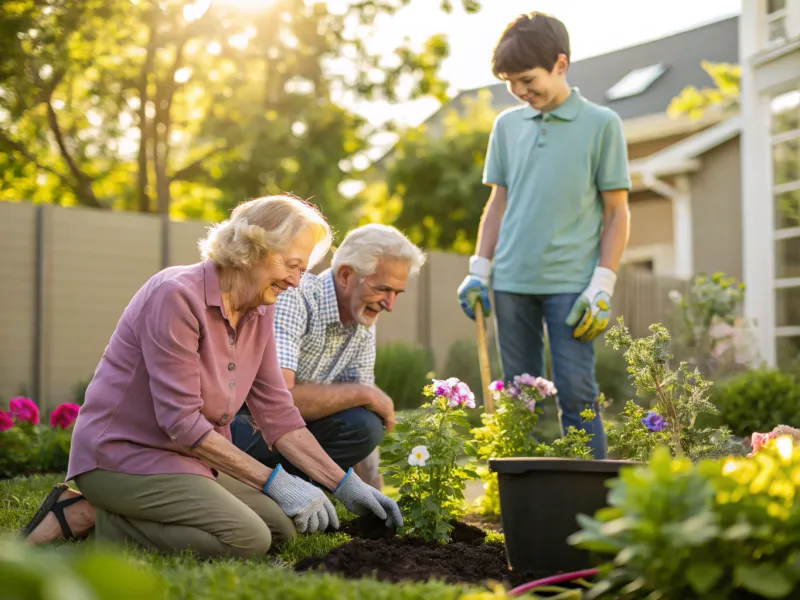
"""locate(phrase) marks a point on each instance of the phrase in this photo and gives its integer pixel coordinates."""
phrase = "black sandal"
(52, 503)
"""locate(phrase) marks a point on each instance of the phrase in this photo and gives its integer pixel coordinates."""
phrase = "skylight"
(636, 82)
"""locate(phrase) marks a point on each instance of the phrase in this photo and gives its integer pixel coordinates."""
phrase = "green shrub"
(720, 529)
(758, 400)
(401, 371)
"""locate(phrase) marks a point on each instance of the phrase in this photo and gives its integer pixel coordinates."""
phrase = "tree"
(148, 105)
(723, 94)
(431, 185)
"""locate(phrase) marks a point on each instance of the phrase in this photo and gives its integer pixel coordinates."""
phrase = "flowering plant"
(509, 432)
(29, 446)
(421, 454)
(679, 397)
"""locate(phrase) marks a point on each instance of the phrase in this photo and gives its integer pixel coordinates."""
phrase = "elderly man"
(325, 333)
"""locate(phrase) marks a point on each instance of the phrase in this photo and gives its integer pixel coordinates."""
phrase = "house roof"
(680, 53)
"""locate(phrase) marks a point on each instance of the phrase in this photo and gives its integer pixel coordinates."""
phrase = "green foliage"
(716, 529)
(33, 573)
(421, 455)
(509, 432)
(26, 449)
(723, 94)
(198, 106)
(757, 400)
(430, 185)
(401, 371)
(711, 302)
(680, 396)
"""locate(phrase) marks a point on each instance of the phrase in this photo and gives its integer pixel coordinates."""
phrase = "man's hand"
(592, 309)
(383, 406)
(476, 287)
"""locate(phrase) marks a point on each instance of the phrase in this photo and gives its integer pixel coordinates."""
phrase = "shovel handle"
(483, 358)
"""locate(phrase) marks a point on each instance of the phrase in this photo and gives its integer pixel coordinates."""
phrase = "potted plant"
(542, 496)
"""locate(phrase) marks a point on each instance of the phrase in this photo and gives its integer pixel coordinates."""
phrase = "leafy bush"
(758, 400)
(27, 446)
(509, 431)
(401, 371)
(421, 454)
(680, 397)
(719, 529)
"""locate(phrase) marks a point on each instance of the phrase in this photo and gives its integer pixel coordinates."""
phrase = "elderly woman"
(151, 450)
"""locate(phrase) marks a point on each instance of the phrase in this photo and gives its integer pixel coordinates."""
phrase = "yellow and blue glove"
(590, 313)
(476, 287)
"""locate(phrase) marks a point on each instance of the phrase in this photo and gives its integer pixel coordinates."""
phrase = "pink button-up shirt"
(173, 370)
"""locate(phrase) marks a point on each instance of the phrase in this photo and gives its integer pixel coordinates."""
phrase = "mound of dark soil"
(375, 551)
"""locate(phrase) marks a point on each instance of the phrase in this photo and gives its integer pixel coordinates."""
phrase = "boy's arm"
(616, 228)
(489, 227)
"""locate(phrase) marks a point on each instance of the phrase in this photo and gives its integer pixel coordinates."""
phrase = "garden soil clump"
(376, 551)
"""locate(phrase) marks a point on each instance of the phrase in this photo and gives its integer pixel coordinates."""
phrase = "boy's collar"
(567, 110)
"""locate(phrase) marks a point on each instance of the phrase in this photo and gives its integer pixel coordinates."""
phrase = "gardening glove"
(475, 286)
(304, 503)
(591, 311)
(360, 498)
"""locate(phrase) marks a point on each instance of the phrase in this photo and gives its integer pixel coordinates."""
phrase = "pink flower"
(525, 379)
(759, 440)
(496, 386)
(545, 387)
(24, 409)
(531, 405)
(441, 388)
(64, 415)
(455, 391)
(6, 422)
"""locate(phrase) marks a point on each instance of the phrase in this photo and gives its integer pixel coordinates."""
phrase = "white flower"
(418, 456)
(675, 296)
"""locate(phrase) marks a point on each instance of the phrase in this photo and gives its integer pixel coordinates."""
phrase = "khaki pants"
(172, 513)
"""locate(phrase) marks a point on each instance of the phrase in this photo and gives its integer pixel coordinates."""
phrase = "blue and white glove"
(361, 499)
(590, 313)
(304, 503)
(476, 287)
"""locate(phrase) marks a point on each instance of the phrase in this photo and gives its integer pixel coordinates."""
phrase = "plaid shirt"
(314, 343)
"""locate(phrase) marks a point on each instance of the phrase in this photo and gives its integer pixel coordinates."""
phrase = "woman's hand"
(361, 499)
(303, 502)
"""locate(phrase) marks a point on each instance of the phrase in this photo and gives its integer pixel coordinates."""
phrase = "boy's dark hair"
(531, 40)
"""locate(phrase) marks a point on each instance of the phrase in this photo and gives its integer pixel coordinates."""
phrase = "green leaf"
(703, 576)
(764, 579)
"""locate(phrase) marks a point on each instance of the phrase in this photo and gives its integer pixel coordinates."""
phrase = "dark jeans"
(520, 321)
(348, 437)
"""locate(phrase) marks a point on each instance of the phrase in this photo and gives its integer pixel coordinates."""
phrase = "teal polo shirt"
(555, 166)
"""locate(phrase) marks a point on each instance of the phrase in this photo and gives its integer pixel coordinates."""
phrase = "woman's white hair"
(364, 246)
(263, 224)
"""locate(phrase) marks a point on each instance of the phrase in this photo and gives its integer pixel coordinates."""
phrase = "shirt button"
(230, 341)
(231, 366)
(231, 384)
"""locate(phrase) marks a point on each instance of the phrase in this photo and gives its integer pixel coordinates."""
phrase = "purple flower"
(654, 421)
(525, 379)
(440, 388)
(24, 409)
(456, 392)
(531, 405)
(513, 390)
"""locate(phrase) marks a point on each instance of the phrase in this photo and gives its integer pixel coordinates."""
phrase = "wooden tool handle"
(483, 359)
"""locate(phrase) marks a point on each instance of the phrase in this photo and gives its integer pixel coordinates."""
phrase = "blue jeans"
(520, 320)
(348, 437)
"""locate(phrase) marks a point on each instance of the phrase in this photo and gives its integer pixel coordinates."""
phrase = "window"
(636, 82)
(776, 21)
(774, 6)
(785, 132)
(642, 265)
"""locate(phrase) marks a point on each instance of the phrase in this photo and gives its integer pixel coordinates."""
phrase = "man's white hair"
(364, 246)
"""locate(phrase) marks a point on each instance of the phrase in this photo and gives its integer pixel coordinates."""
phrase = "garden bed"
(376, 551)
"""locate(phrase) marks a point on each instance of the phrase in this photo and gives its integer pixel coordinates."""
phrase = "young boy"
(556, 223)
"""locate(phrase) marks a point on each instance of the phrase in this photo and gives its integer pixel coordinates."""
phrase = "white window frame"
(786, 233)
(775, 21)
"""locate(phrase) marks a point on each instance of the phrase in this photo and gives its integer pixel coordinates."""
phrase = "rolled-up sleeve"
(270, 401)
(169, 338)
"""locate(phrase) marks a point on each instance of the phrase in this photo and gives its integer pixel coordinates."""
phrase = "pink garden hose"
(553, 579)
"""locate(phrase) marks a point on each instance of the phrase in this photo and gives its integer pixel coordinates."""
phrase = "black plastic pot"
(540, 499)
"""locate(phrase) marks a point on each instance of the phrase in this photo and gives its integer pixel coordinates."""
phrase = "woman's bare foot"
(79, 517)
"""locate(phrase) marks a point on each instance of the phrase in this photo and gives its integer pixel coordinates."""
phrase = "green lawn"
(184, 577)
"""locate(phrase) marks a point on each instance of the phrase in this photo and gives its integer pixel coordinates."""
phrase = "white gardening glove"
(592, 309)
(361, 499)
(476, 287)
(304, 503)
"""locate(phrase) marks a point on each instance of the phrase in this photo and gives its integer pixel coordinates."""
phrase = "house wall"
(716, 215)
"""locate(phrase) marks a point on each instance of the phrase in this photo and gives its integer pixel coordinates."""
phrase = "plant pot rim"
(525, 464)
